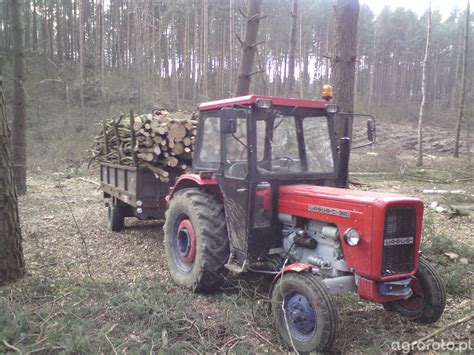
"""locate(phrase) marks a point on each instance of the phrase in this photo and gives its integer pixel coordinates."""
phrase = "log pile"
(159, 141)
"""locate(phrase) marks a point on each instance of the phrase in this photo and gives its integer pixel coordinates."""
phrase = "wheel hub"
(186, 242)
(416, 300)
(300, 314)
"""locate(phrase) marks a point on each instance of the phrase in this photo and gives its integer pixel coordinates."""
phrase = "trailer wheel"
(116, 216)
(427, 303)
(196, 242)
(304, 312)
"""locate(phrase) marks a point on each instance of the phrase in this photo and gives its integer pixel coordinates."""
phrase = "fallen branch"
(11, 347)
(446, 327)
(89, 181)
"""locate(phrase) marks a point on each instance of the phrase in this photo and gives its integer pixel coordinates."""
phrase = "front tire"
(304, 312)
(427, 303)
(196, 242)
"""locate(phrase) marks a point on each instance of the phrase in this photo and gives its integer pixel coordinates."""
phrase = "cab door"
(234, 184)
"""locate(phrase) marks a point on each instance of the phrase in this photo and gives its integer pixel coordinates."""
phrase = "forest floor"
(90, 290)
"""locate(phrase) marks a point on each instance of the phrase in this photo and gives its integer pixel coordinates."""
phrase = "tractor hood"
(308, 200)
(365, 211)
(335, 194)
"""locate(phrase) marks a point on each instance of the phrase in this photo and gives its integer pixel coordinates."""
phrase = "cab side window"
(209, 152)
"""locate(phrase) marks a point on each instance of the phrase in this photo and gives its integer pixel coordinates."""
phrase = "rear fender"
(187, 181)
(296, 267)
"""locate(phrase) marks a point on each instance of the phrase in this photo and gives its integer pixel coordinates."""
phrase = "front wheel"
(304, 312)
(196, 243)
(427, 303)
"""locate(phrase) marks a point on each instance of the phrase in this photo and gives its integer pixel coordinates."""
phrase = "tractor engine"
(314, 242)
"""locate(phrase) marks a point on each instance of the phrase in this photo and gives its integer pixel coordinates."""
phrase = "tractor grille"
(399, 241)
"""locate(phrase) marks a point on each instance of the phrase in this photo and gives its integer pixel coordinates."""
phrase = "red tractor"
(268, 194)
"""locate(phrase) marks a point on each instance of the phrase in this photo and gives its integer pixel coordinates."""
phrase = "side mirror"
(371, 130)
(228, 117)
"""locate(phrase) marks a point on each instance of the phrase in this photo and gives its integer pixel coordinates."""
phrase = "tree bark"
(19, 100)
(12, 265)
(346, 13)
(419, 158)
(292, 49)
(462, 95)
(249, 47)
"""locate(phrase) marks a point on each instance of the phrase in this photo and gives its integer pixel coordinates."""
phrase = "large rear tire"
(304, 312)
(196, 242)
(427, 303)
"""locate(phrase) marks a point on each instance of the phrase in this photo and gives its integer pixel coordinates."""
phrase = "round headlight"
(352, 237)
(139, 210)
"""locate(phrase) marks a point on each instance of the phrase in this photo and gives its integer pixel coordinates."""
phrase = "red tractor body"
(269, 194)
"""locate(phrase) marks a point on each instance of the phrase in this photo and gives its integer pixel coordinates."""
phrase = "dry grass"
(129, 303)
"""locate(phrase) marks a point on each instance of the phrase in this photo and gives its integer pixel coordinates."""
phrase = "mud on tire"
(196, 242)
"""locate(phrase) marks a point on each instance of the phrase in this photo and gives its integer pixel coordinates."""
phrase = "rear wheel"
(427, 303)
(196, 241)
(116, 216)
(304, 312)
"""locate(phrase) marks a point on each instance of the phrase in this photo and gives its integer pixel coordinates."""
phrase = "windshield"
(289, 143)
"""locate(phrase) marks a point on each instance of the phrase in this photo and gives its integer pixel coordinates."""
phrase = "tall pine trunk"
(462, 93)
(346, 13)
(19, 100)
(12, 265)
(249, 47)
(292, 49)
(419, 158)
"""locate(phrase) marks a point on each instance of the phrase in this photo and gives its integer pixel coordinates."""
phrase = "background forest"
(89, 59)
(87, 289)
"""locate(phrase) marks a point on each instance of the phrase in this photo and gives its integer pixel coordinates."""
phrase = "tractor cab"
(253, 145)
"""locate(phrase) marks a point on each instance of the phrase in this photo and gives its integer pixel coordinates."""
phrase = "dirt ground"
(66, 237)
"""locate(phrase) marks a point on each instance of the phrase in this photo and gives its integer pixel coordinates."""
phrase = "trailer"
(131, 191)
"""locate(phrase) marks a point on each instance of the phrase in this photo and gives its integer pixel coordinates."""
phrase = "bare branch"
(256, 72)
(256, 44)
(240, 40)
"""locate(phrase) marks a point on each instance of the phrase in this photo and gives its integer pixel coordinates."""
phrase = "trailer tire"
(304, 312)
(427, 303)
(196, 242)
(116, 216)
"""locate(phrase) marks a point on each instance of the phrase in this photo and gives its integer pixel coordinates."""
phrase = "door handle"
(242, 189)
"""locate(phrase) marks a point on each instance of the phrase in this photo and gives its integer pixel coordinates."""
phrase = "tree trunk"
(462, 95)
(81, 55)
(205, 49)
(292, 49)
(19, 100)
(419, 158)
(249, 47)
(12, 265)
(346, 13)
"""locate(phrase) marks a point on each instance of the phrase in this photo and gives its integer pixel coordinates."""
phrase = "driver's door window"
(283, 146)
(236, 152)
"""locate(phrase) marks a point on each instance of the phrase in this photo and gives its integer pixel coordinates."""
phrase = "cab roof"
(252, 99)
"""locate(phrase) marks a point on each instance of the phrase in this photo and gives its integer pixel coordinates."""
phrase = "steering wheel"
(238, 169)
(288, 162)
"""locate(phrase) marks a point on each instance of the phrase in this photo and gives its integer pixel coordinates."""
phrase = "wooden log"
(178, 148)
(146, 156)
(172, 161)
(187, 141)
